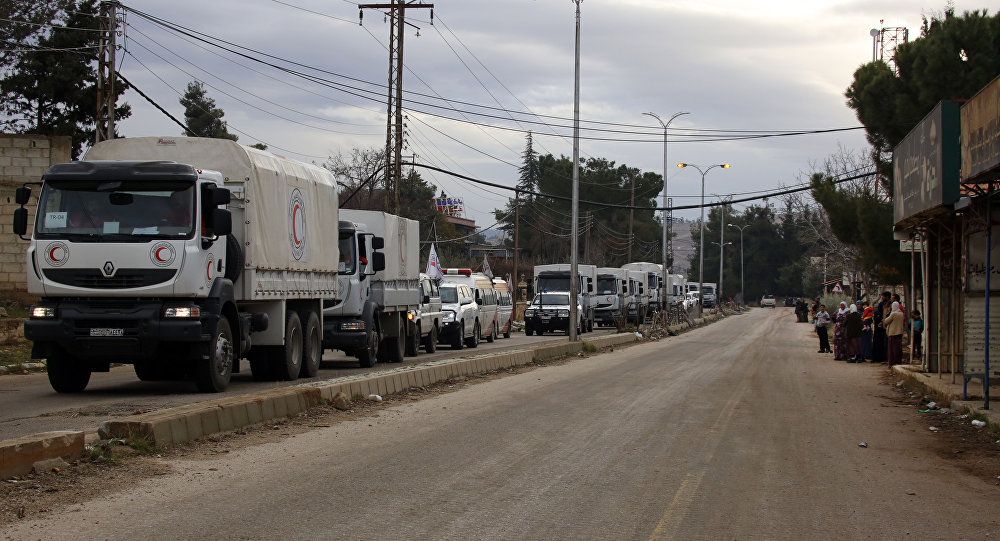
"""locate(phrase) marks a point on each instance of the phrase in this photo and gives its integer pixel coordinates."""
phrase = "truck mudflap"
(118, 329)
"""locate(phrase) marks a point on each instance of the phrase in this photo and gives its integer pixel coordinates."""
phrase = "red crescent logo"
(157, 253)
(52, 253)
(208, 270)
(295, 232)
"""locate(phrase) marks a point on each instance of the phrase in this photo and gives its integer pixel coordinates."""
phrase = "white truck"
(638, 296)
(654, 278)
(676, 289)
(556, 278)
(708, 294)
(180, 256)
(379, 290)
(610, 294)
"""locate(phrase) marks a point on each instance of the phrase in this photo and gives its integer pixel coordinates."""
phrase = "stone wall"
(23, 158)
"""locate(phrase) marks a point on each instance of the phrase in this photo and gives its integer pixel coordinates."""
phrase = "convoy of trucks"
(181, 256)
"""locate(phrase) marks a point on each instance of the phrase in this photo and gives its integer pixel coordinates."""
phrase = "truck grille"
(123, 279)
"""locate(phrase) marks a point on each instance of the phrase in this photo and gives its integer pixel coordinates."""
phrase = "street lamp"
(701, 234)
(742, 299)
(666, 216)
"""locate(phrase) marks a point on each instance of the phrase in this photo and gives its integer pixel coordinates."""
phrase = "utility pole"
(396, 14)
(631, 215)
(106, 95)
(574, 278)
(517, 225)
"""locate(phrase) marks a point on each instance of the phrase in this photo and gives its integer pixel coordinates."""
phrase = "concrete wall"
(23, 158)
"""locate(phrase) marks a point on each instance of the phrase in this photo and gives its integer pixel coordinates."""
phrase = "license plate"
(545, 318)
(107, 332)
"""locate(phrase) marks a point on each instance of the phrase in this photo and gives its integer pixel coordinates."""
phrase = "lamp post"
(742, 299)
(574, 279)
(701, 234)
(718, 290)
(666, 216)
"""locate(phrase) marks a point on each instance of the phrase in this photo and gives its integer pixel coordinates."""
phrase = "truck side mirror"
(378, 258)
(378, 243)
(22, 195)
(20, 221)
(222, 220)
(221, 196)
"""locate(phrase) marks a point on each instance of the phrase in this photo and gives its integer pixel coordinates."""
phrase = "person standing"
(822, 320)
(879, 337)
(917, 324)
(867, 318)
(839, 339)
(894, 324)
(852, 334)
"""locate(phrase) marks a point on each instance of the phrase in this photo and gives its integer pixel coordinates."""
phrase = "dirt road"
(737, 430)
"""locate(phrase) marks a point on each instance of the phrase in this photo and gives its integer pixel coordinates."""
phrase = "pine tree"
(201, 116)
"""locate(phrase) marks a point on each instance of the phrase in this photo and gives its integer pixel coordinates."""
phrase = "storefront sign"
(926, 164)
(981, 131)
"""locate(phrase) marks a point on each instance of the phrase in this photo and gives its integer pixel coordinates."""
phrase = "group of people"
(865, 333)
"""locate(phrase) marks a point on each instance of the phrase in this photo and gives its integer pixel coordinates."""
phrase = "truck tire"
(286, 360)
(66, 374)
(312, 352)
(458, 340)
(369, 354)
(506, 334)
(147, 370)
(396, 345)
(527, 331)
(473, 341)
(431, 340)
(235, 258)
(212, 375)
(493, 333)
(413, 341)
(590, 325)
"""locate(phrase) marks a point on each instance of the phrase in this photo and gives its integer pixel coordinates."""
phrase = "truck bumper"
(336, 338)
(604, 316)
(114, 330)
(449, 330)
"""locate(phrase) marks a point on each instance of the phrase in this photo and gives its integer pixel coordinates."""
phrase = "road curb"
(185, 423)
(947, 390)
(19, 455)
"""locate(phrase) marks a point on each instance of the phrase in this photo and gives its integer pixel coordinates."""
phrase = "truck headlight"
(448, 317)
(563, 313)
(182, 312)
(43, 312)
(529, 313)
(352, 326)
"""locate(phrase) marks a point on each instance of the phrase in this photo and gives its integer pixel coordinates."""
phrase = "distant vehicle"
(505, 306)
(690, 300)
(460, 315)
(768, 301)
(789, 301)
(426, 320)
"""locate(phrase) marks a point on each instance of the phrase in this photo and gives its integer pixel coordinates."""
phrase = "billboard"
(450, 206)
(926, 164)
(981, 131)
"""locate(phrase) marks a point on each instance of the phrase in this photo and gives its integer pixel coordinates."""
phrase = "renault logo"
(108, 268)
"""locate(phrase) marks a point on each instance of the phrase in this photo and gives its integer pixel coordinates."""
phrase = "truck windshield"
(449, 295)
(557, 283)
(551, 298)
(347, 246)
(606, 286)
(127, 210)
(709, 290)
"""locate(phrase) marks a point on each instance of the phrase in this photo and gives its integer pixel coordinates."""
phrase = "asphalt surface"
(28, 405)
(737, 430)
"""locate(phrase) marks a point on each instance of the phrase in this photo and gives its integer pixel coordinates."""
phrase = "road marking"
(684, 497)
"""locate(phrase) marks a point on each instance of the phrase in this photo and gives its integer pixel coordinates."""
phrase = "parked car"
(768, 301)
(690, 300)
(550, 312)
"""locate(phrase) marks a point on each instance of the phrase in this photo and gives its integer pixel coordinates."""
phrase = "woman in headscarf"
(867, 328)
(852, 333)
(839, 340)
(894, 324)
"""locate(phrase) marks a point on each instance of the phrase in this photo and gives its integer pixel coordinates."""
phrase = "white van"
(505, 306)
(486, 298)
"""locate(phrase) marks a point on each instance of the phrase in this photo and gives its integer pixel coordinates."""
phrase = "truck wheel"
(473, 341)
(286, 360)
(493, 333)
(506, 334)
(66, 374)
(413, 341)
(212, 375)
(431, 341)
(234, 258)
(590, 325)
(147, 370)
(369, 354)
(312, 352)
(457, 340)
(396, 345)
(527, 331)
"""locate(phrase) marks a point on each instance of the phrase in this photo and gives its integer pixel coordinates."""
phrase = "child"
(917, 324)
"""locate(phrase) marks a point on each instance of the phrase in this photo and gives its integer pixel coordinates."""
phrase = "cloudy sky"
(488, 71)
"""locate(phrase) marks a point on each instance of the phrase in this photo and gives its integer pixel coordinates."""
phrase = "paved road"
(734, 431)
(28, 405)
